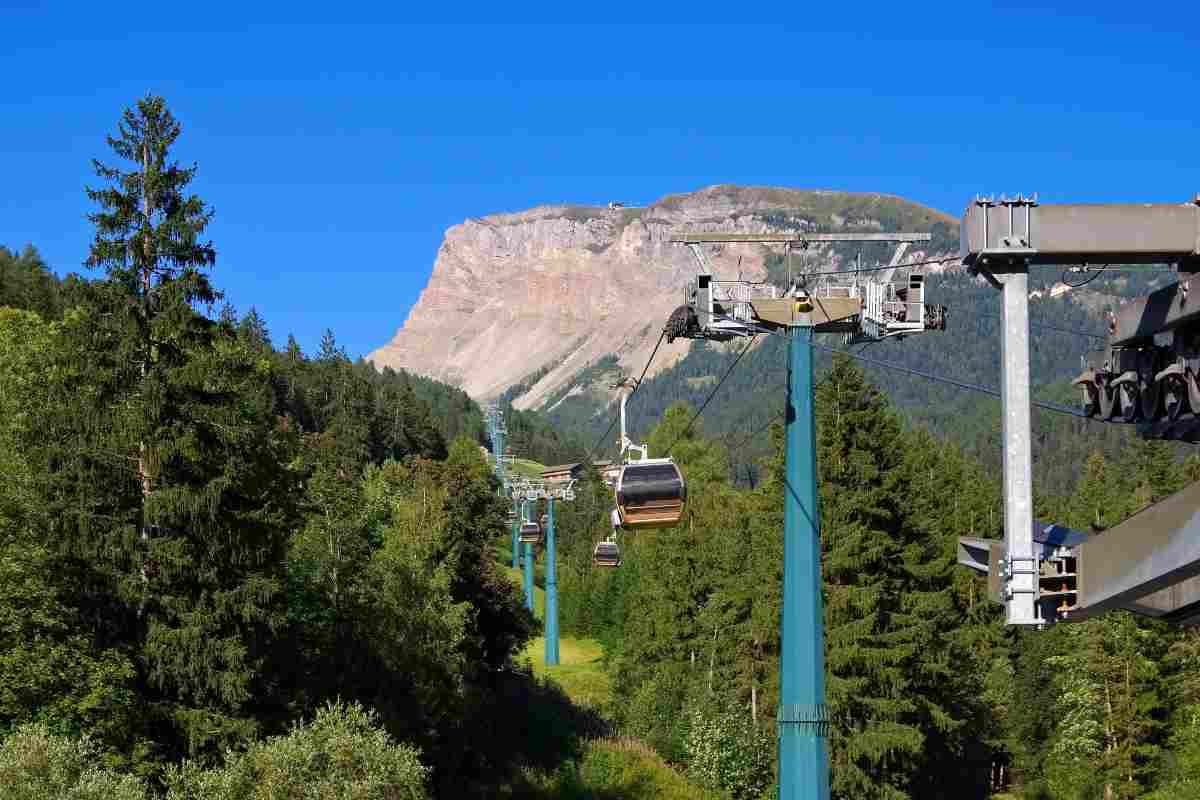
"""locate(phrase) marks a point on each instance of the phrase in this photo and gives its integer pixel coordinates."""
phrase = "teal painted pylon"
(516, 544)
(803, 718)
(551, 590)
(528, 563)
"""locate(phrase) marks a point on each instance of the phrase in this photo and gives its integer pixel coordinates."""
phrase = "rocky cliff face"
(549, 291)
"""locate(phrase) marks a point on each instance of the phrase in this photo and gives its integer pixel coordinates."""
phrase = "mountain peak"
(537, 296)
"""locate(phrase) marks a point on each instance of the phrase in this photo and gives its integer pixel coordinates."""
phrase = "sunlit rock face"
(555, 288)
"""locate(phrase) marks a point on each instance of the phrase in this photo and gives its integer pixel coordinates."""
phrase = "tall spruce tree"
(163, 465)
(859, 457)
(951, 647)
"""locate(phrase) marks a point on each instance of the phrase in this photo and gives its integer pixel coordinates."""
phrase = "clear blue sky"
(337, 146)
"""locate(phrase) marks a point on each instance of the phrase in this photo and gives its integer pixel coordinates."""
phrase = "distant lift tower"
(863, 311)
(1134, 380)
(535, 531)
(495, 420)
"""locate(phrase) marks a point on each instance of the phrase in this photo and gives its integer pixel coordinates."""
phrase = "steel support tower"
(803, 719)
(516, 541)
(715, 311)
(530, 491)
(528, 556)
(551, 622)
(495, 418)
(1000, 240)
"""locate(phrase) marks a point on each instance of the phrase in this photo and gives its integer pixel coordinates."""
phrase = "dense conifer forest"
(233, 571)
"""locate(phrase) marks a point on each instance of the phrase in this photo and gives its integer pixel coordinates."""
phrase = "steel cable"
(711, 395)
(1044, 326)
(637, 386)
(973, 387)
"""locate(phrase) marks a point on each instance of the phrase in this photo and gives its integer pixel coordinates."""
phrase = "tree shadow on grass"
(519, 722)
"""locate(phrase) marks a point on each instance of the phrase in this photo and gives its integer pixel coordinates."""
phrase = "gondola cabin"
(606, 554)
(531, 532)
(650, 493)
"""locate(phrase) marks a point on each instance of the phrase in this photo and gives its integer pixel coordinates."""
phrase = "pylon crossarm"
(862, 308)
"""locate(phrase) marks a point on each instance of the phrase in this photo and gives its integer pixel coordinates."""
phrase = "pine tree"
(50, 669)
(473, 516)
(1101, 498)
(859, 457)
(162, 463)
(252, 329)
(1151, 468)
(952, 644)
(667, 644)
(27, 282)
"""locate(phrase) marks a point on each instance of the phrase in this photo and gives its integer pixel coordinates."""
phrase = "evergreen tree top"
(148, 229)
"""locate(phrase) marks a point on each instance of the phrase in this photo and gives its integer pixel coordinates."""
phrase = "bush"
(726, 750)
(342, 755)
(37, 765)
(617, 768)
(655, 714)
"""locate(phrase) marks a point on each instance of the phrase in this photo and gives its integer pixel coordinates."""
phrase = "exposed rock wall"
(559, 287)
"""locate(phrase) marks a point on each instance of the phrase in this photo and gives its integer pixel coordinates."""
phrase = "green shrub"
(726, 750)
(618, 768)
(342, 755)
(38, 765)
(655, 714)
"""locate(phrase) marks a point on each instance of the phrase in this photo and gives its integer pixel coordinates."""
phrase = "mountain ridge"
(556, 288)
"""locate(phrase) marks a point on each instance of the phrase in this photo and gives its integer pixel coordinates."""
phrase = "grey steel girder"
(1148, 563)
(1116, 233)
(987, 556)
(1158, 312)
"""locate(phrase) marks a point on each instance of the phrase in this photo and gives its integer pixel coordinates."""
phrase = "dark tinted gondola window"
(641, 484)
(653, 472)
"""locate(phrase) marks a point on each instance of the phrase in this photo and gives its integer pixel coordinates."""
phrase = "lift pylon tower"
(529, 556)
(722, 310)
(496, 430)
(1135, 379)
(530, 492)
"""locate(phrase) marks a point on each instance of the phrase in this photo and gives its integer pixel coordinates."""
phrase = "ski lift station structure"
(1148, 376)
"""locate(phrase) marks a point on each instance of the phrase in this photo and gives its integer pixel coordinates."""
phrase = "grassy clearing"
(608, 769)
(530, 469)
(616, 768)
(517, 576)
(523, 467)
(580, 671)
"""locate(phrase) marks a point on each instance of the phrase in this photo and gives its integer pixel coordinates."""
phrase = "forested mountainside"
(967, 351)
